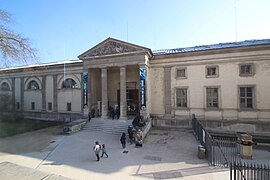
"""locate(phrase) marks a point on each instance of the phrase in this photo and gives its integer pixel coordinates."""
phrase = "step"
(116, 127)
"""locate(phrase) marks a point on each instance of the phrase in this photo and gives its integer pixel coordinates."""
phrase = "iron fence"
(203, 137)
(225, 152)
(217, 150)
(246, 171)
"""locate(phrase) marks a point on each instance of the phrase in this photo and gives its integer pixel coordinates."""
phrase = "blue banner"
(85, 88)
(142, 89)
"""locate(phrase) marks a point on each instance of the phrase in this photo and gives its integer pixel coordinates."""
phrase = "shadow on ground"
(165, 154)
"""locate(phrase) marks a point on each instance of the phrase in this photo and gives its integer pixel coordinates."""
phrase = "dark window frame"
(33, 106)
(69, 106)
(49, 106)
(181, 73)
(246, 97)
(18, 105)
(246, 70)
(212, 71)
(33, 85)
(5, 87)
(69, 83)
(181, 97)
(212, 97)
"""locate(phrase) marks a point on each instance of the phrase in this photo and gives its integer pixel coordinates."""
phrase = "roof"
(211, 47)
(41, 65)
(158, 52)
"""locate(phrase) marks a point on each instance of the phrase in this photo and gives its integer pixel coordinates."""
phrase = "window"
(49, 106)
(18, 105)
(181, 73)
(69, 83)
(212, 97)
(33, 85)
(246, 97)
(212, 71)
(181, 97)
(68, 106)
(33, 105)
(5, 87)
(246, 69)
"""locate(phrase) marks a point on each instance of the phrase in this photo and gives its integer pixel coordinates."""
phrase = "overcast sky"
(63, 29)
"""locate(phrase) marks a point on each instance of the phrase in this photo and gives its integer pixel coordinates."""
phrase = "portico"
(113, 69)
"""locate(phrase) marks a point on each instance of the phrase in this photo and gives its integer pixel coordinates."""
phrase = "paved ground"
(29, 142)
(47, 155)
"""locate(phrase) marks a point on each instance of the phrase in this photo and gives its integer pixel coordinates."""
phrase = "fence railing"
(245, 171)
(225, 152)
(216, 150)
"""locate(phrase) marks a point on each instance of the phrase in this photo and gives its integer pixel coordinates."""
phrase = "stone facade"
(227, 87)
(39, 93)
(224, 71)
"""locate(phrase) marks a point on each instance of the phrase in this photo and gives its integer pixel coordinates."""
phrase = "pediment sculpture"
(111, 48)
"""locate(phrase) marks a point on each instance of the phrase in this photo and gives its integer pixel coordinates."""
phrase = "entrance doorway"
(132, 101)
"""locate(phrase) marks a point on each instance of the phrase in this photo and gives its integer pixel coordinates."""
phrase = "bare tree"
(13, 47)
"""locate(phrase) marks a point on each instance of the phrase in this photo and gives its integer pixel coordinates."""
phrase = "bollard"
(201, 152)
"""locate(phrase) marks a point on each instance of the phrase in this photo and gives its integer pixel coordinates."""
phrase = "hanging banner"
(85, 88)
(142, 88)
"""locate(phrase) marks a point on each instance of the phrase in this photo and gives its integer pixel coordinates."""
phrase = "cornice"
(213, 60)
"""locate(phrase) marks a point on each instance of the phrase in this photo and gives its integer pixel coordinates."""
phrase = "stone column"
(55, 109)
(104, 93)
(13, 104)
(22, 94)
(82, 93)
(167, 83)
(89, 92)
(123, 93)
(43, 90)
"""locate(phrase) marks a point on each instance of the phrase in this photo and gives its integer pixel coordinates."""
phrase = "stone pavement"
(165, 155)
(12, 171)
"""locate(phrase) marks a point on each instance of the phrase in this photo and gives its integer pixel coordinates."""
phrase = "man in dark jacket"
(130, 135)
(123, 140)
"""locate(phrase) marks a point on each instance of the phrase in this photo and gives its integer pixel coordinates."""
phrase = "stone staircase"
(108, 126)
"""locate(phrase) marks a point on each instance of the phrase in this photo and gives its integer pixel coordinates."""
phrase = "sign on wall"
(142, 89)
(85, 88)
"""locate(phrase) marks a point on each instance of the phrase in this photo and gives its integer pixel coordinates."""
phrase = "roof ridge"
(212, 46)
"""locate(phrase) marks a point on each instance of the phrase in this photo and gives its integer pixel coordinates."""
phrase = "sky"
(63, 29)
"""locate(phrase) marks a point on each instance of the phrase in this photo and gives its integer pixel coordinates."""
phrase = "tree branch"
(13, 47)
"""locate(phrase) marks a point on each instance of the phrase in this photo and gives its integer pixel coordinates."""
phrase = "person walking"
(139, 138)
(130, 135)
(112, 113)
(96, 149)
(89, 116)
(117, 112)
(123, 140)
(103, 150)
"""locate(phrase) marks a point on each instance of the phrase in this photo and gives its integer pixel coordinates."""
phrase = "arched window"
(5, 87)
(33, 85)
(69, 83)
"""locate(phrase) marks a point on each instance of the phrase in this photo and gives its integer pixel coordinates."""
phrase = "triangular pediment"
(112, 47)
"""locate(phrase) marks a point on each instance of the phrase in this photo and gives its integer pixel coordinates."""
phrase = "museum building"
(225, 85)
